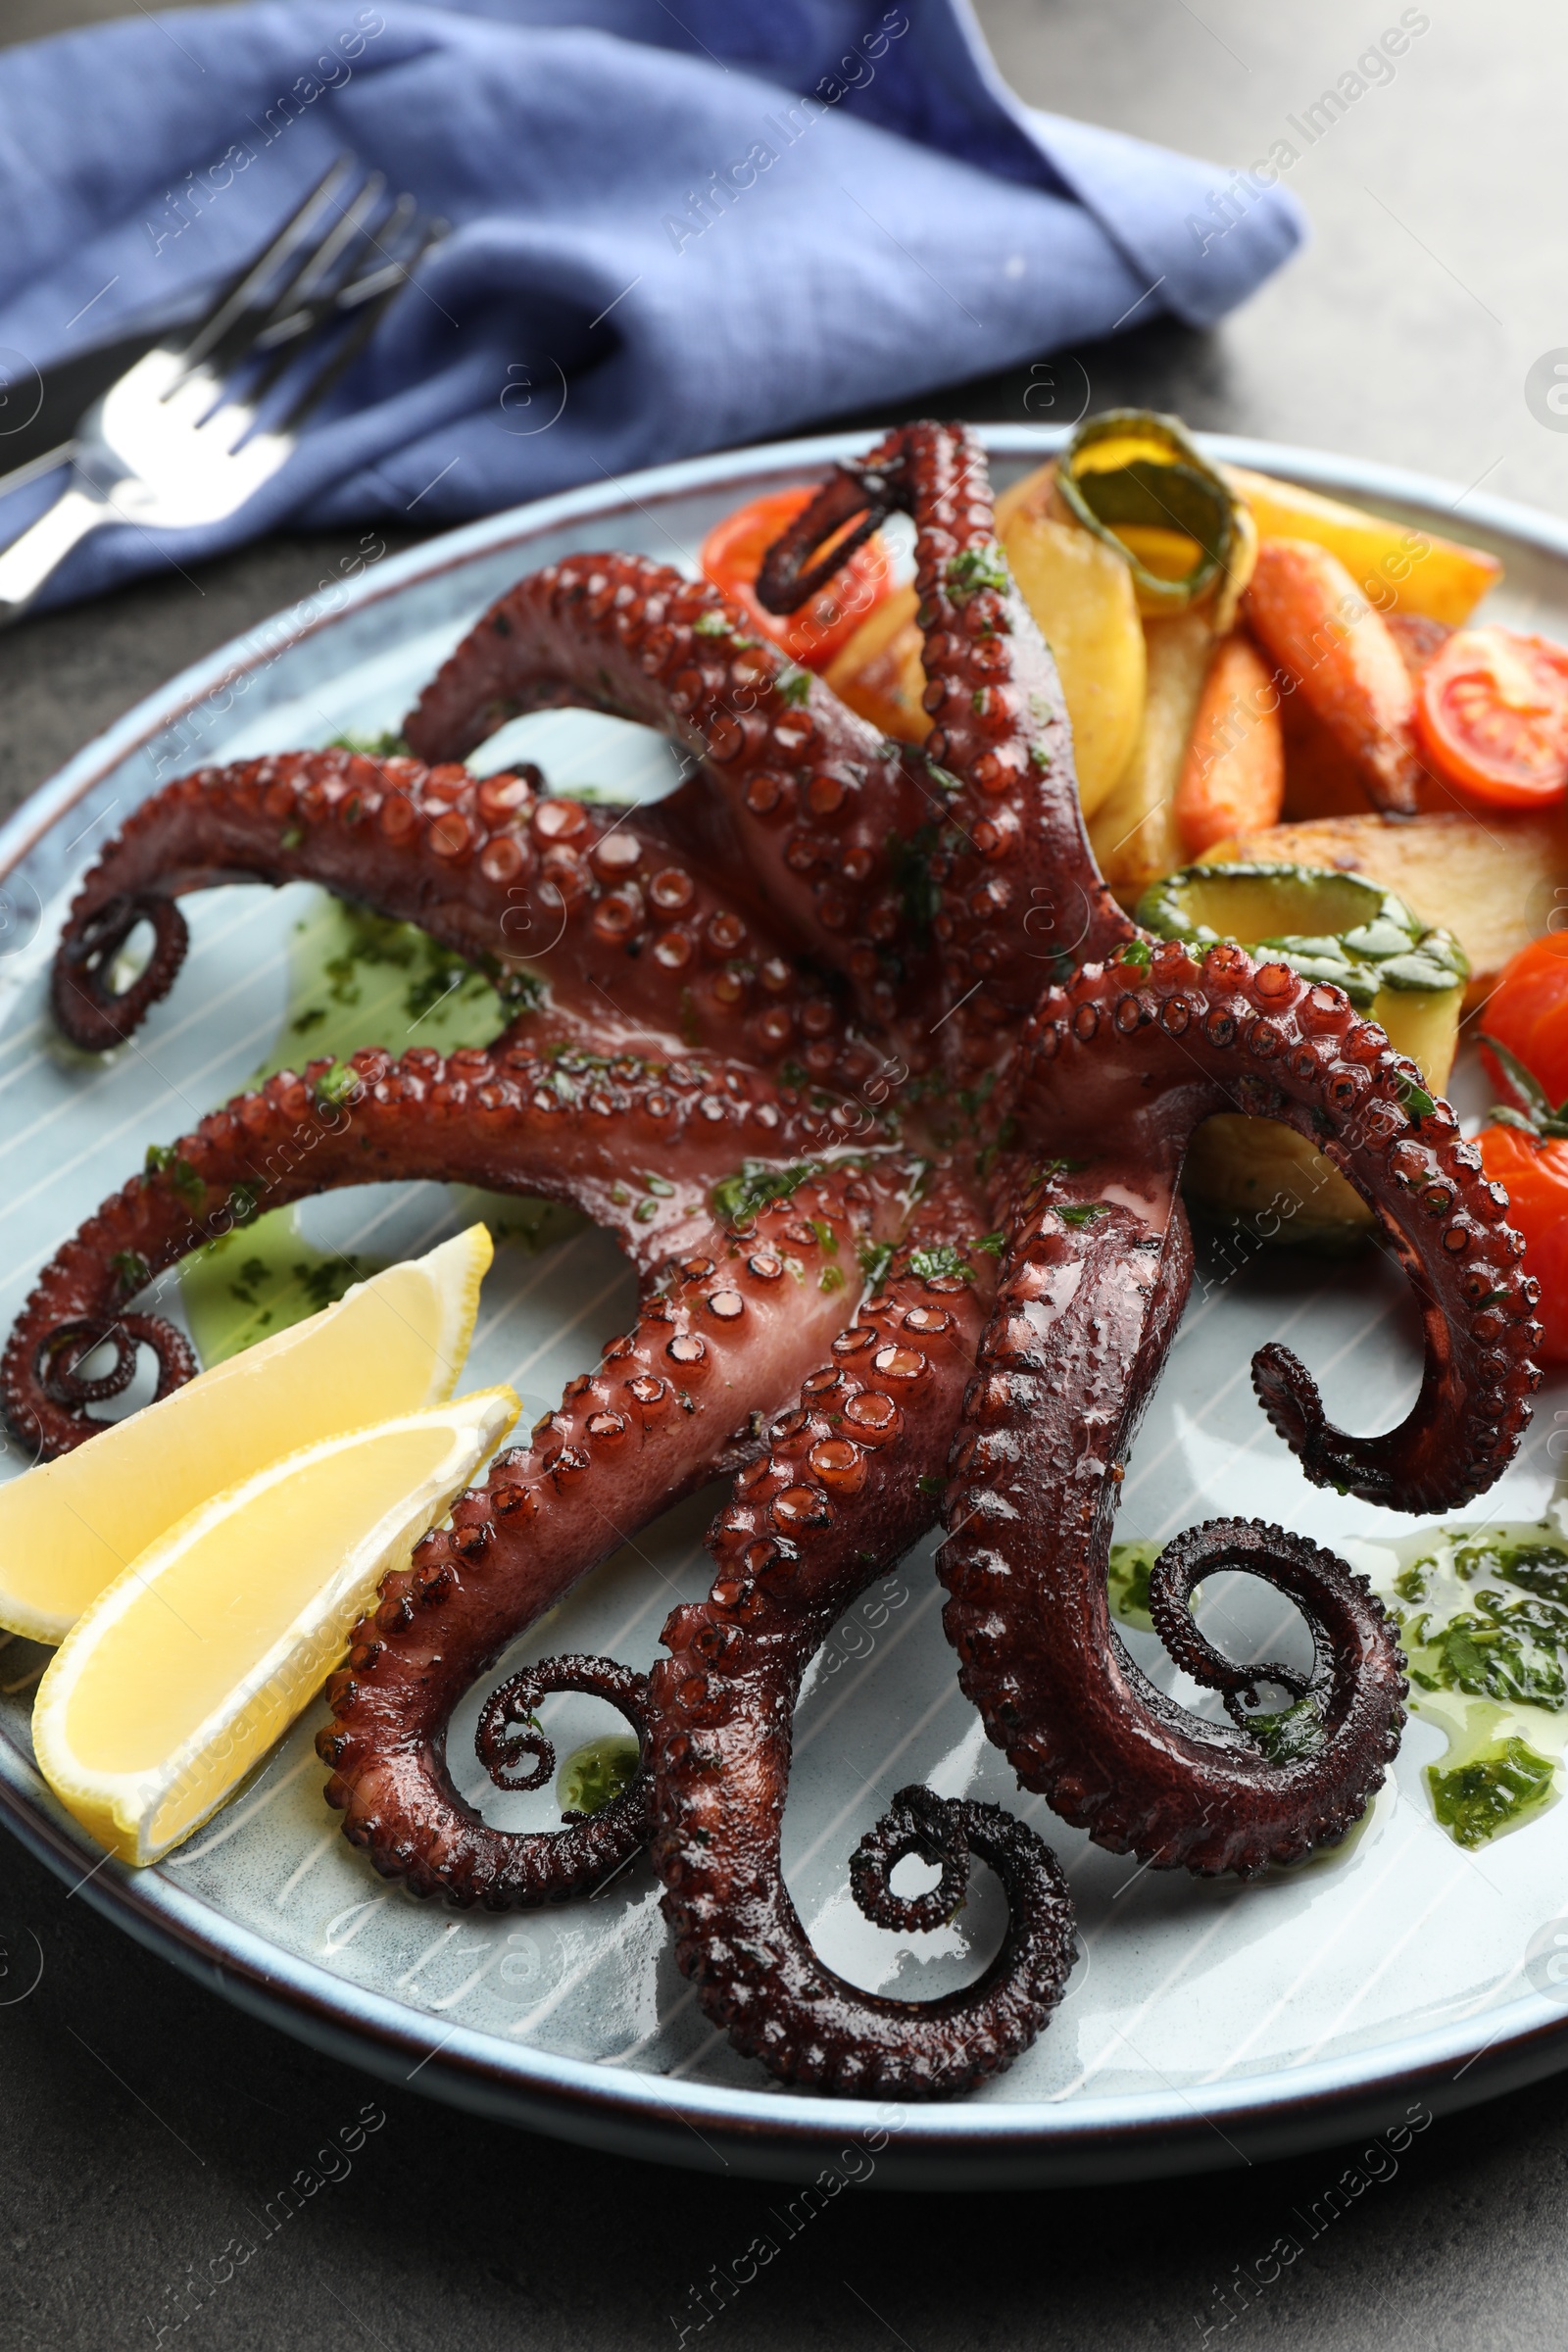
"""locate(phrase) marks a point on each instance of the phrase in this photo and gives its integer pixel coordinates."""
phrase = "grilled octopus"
(858, 1006)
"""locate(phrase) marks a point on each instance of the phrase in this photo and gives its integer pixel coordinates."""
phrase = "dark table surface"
(144, 2125)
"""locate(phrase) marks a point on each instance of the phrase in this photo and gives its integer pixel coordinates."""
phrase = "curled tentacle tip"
(92, 1013)
(508, 1731)
(46, 1393)
(1289, 1395)
(510, 1744)
(916, 1822)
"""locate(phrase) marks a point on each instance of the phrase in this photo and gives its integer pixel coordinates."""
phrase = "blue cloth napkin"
(674, 228)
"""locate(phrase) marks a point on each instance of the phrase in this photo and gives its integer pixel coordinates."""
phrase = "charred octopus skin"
(761, 925)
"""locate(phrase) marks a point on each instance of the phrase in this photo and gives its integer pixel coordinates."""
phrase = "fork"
(179, 440)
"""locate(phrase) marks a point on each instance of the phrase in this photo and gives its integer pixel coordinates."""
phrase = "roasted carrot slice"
(1233, 778)
(1310, 617)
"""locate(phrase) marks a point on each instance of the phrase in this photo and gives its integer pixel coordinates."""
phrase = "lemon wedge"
(393, 1345)
(184, 1672)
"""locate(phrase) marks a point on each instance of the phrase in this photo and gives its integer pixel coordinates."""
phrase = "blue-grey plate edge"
(767, 2133)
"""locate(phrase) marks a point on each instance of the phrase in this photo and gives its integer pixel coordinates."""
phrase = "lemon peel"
(183, 1674)
(393, 1345)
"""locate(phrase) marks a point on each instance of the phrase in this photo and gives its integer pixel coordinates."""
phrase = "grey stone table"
(144, 2125)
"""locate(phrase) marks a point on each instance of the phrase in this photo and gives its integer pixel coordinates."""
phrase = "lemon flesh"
(181, 1675)
(393, 1345)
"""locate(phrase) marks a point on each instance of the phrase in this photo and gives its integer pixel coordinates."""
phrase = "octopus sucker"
(632, 940)
(657, 1419)
(849, 1480)
(887, 1101)
(502, 1117)
(816, 799)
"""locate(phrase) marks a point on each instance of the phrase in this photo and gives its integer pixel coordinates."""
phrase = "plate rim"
(765, 2131)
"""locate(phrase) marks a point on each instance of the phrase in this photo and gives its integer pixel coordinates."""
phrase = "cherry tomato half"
(732, 556)
(1492, 717)
(1527, 1012)
(1535, 1174)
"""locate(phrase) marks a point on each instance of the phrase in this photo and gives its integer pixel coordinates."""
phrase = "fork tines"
(327, 279)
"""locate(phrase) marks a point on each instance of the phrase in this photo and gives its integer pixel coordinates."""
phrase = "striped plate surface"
(1201, 2019)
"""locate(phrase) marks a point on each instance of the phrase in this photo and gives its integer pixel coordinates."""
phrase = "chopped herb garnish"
(756, 1186)
(1538, 1119)
(875, 1258)
(973, 568)
(390, 745)
(130, 1269)
(164, 1159)
(1287, 1734)
(942, 1259)
(1475, 1800)
(911, 859)
(595, 1774)
(1127, 1582)
(340, 1084)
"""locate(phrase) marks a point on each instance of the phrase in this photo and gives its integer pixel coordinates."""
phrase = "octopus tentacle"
(502, 1118)
(1331, 1599)
(1019, 893)
(631, 937)
(509, 1741)
(846, 1484)
(1174, 1041)
(550, 1865)
(91, 1012)
(676, 1401)
(820, 803)
(1085, 1312)
(1089, 1297)
(69, 1345)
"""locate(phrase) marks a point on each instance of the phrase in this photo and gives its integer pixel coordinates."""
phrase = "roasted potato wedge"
(1035, 494)
(1082, 596)
(1134, 831)
(1496, 882)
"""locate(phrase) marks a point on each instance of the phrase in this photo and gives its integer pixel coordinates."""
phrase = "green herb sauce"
(1127, 1581)
(354, 979)
(360, 979)
(260, 1281)
(1483, 1619)
(594, 1775)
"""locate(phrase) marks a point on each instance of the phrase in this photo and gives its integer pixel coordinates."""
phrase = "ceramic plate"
(1203, 2022)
